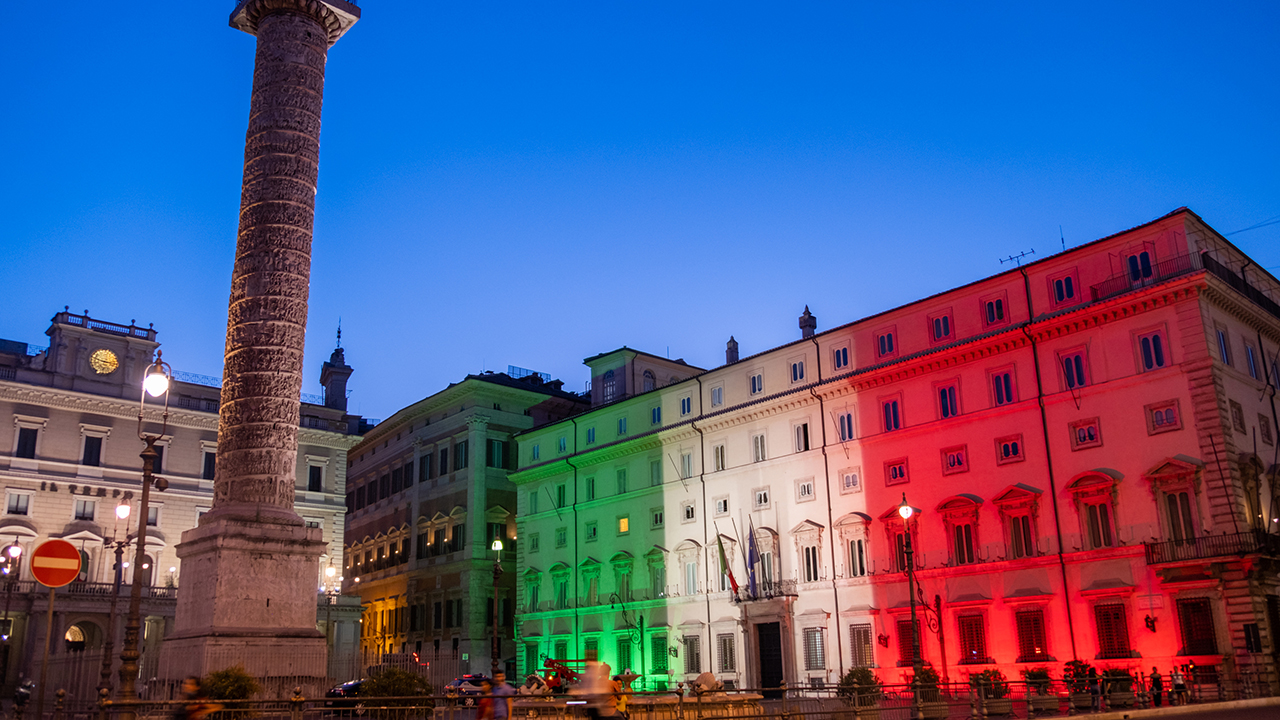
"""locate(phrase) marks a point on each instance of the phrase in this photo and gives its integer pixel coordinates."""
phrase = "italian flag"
(724, 565)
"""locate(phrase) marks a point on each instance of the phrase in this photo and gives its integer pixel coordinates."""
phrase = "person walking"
(1157, 687)
(484, 707)
(1179, 686)
(502, 694)
(1095, 690)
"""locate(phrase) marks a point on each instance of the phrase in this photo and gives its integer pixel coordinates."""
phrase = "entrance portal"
(769, 640)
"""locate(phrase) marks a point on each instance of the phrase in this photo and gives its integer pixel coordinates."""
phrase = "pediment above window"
(964, 506)
(1018, 496)
(1092, 484)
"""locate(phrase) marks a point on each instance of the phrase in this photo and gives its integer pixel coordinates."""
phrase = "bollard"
(103, 699)
(295, 704)
(1031, 703)
(59, 698)
(973, 701)
(680, 700)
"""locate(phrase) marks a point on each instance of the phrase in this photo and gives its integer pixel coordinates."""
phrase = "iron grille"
(658, 644)
(906, 644)
(1196, 618)
(728, 659)
(1113, 631)
(815, 653)
(1031, 640)
(973, 640)
(692, 654)
(863, 652)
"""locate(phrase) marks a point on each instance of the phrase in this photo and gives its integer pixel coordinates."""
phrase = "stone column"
(248, 570)
(478, 504)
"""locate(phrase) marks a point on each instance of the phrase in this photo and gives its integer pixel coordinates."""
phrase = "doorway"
(769, 640)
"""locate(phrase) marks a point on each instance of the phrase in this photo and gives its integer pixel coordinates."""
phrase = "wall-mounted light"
(1150, 622)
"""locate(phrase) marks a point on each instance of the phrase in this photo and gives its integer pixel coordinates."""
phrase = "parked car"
(345, 695)
(466, 688)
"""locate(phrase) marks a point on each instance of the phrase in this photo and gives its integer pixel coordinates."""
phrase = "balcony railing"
(69, 318)
(83, 589)
(1212, 546)
(1161, 271)
(766, 590)
(1239, 285)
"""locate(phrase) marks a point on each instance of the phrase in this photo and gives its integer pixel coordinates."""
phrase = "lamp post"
(155, 383)
(496, 650)
(12, 563)
(906, 511)
(109, 643)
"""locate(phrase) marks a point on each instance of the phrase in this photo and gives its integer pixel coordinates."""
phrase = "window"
(1264, 429)
(815, 651)
(962, 543)
(592, 531)
(686, 465)
(1140, 266)
(1002, 387)
(1251, 361)
(496, 457)
(533, 501)
(649, 381)
(535, 542)
(26, 443)
(841, 358)
(1031, 635)
(19, 504)
(210, 464)
(691, 578)
(624, 653)
(1021, 538)
(863, 652)
(655, 473)
(591, 435)
(994, 310)
(955, 460)
(1224, 346)
(1085, 434)
(688, 511)
(624, 525)
(534, 454)
(850, 481)
(655, 416)
(315, 478)
(1063, 289)
(153, 517)
(686, 405)
(620, 476)
(562, 495)
(844, 421)
(1237, 416)
(717, 457)
(590, 489)
(562, 593)
(610, 386)
(892, 416)
(157, 465)
(92, 454)
(1163, 417)
(561, 443)
(722, 505)
(717, 396)
(562, 537)
(857, 557)
(1009, 449)
(906, 642)
(1073, 370)
(802, 437)
(1113, 631)
(1179, 517)
(895, 472)
(884, 344)
(692, 654)
(811, 567)
(761, 498)
(460, 455)
(941, 327)
(85, 509)
(658, 519)
(725, 651)
(797, 371)
(757, 448)
(444, 461)
(948, 404)
(658, 651)
(973, 640)
(1195, 618)
(1151, 349)
(1098, 521)
(804, 490)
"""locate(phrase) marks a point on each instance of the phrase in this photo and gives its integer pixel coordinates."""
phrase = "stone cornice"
(250, 12)
(1222, 296)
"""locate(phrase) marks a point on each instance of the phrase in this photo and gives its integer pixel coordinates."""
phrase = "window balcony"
(1213, 546)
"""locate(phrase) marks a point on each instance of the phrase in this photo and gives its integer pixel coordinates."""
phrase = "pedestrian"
(619, 697)
(1157, 687)
(1095, 690)
(484, 708)
(195, 705)
(1179, 687)
(502, 693)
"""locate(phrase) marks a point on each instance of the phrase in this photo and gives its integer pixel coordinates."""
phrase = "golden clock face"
(103, 362)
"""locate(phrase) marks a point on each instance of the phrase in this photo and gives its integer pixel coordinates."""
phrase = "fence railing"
(1241, 285)
(1124, 281)
(1211, 546)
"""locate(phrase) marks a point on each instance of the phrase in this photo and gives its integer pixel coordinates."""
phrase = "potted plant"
(862, 689)
(994, 689)
(1038, 693)
(1119, 684)
(1077, 676)
(932, 706)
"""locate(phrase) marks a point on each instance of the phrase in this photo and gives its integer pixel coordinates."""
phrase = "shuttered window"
(905, 643)
(725, 653)
(1196, 619)
(973, 640)
(658, 644)
(815, 649)
(1113, 631)
(862, 651)
(692, 654)
(1031, 639)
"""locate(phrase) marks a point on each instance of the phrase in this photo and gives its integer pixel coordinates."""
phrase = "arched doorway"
(81, 636)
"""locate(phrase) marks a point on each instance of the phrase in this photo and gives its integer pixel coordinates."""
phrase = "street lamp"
(496, 650)
(155, 383)
(109, 644)
(12, 556)
(906, 511)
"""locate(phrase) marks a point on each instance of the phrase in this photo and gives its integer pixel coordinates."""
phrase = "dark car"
(466, 688)
(343, 696)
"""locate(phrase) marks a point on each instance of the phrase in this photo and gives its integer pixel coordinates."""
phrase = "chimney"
(808, 323)
(731, 351)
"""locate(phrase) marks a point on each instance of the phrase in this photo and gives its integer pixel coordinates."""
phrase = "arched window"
(649, 381)
(610, 386)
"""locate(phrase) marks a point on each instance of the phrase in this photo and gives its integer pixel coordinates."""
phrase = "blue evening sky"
(535, 183)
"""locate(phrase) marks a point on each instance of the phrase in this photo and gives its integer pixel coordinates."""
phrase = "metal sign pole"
(44, 665)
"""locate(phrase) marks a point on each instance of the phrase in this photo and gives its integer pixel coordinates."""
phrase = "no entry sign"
(55, 563)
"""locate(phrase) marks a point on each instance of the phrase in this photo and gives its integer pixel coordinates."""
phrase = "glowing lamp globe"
(330, 571)
(14, 550)
(156, 383)
(904, 509)
(496, 546)
(122, 512)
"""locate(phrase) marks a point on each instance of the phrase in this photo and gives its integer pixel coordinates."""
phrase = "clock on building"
(103, 362)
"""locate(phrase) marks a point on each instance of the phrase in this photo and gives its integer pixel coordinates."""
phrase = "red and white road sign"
(55, 563)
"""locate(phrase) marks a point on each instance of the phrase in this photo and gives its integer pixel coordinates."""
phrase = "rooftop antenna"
(1018, 258)
(1062, 238)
